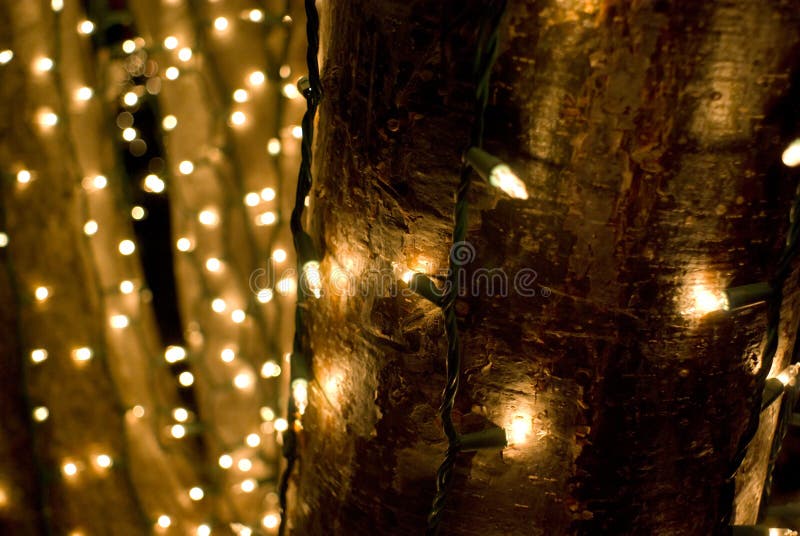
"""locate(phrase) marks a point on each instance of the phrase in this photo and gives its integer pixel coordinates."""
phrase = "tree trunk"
(649, 136)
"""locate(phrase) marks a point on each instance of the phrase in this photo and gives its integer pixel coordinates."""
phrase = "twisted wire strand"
(486, 53)
(312, 93)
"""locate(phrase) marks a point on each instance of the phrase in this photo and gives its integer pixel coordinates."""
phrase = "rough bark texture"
(648, 134)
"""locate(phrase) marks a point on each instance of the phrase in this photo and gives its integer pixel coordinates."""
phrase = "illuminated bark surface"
(649, 137)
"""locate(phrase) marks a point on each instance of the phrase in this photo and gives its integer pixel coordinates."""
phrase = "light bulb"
(119, 321)
(138, 411)
(126, 287)
(99, 182)
(285, 71)
(85, 27)
(186, 378)
(225, 461)
(213, 264)
(177, 431)
(129, 134)
(252, 199)
(183, 244)
(238, 118)
(300, 394)
(127, 247)
(253, 440)
(6, 56)
(312, 278)
(41, 293)
(129, 46)
(255, 15)
(267, 414)
(84, 353)
(218, 305)
(256, 78)
(264, 295)
(3, 240)
(248, 485)
(84, 93)
(274, 146)
(227, 355)
(40, 413)
(244, 465)
(47, 118)
(238, 316)
(270, 521)
(286, 285)
(297, 132)
(169, 122)
(701, 301)
(208, 217)
(791, 156)
(196, 493)
(90, 228)
(172, 73)
(56, 5)
(270, 369)
(44, 65)
(281, 425)
(519, 430)
(186, 167)
(266, 218)
(69, 469)
(203, 530)
(164, 521)
(243, 380)
(220, 24)
(503, 178)
(38, 355)
(290, 91)
(240, 95)
(180, 414)
(104, 461)
(185, 54)
(130, 98)
(170, 42)
(23, 176)
(174, 353)
(154, 184)
(138, 213)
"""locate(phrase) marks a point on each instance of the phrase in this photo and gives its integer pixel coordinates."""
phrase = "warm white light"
(127, 247)
(266, 218)
(129, 134)
(297, 132)
(791, 156)
(40, 413)
(47, 118)
(56, 5)
(119, 321)
(38, 355)
(291, 92)
(130, 98)
(129, 46)
(274, 146)
(264, 295)
(218, 305)
(138, 213)
(256, 78)
(177, 431)
(519, 430)
(6, 56)
(186, 378)
(69, 469)
(203, 530)
(85, 27)
(701, 301)
(174, 353)
(84, 353)
(41, 293)
(270, 521)
(253, 440)
(225, 461)
(243, 380)
(164, 521)
(238, 118)
(281, 425)
(99, 182)
(3, 240)
(169, 122)
(170, 42)
(184, 244)
(286, 285)
(267, 414)
(256, 15)
(279, 255)
(285, 71)
(252, 199)
(270, 369)
(138, 411)
(312, 278)
(241, 95)
(126, 287)
(23, 176)
(44, 64)
(300, 394)
(84, 93)
(238, 316)
(789, 374)
(208, 217)
(196, 493)
(185, 54)
(172, 73)
(213, 264)
(180, 414)
(220, 24)
(503, 178)
(227, 355)
(186, 167)
(248, 485)
(104, 461)
(90, 228)
(154, 184)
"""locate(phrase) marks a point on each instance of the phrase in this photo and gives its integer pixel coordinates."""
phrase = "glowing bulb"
(225, 461)
(47, 118)
(270, 369)
(256, 78)
(227, 355)
(3, 240)
(251, 199)
(286, 285)
(519, 430)
(38, 355)
(240, 95)
(703, 301)
(248, 485)
(220, 24)
(253, 440)
(297, 132)
(85, 27)
(312, 278)
(285, 71)
(186, 378)
(41, 293)
(180, 414)
(164, 521)
(126, 287)
(172, 73)
(100, 182)
(208, 217)
(154, 184)
(183, 244)
(255, 15)
(104, 461)
(243, 380)
(185, 54)
(238, 316)
(264, 295)
(43, 65)
(24, 176)
(300, 394)
(130, 98)
(238, 118)
(244, 465)
(177, 431)
(196, 493)
(213, 264)
(788, 374)
(218, 305)
(69, 469)
(186, 167)
(267, 414)
(267, 218)
(119, 321)
(290, 91)
(137, 411)
(274, 146)
(270, 521)
(279, 255)
(503, 178)
(40, 413)
(170, 42)
(281, 425)
(127, 247)
(169, 122)
(203, 530)
(84, 93)
(56, 5)
(129, 46)
(138, 213)
(174, 353)
(6, 56)
(791, 156)
(129, 134)
(83, 353)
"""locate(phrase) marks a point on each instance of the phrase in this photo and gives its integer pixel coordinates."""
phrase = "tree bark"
(649, 136)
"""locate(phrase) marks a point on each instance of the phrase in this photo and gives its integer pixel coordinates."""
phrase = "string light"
(264, 295)
(69, 469)
(281, 425)
(119, 321)
(44, 65)
(178, 431)
(297, 132)
(130, 99)
(85, 27)
(172, 73)
(126, 287)
(154, 184)
(196, 493)
(227, 355)
(218, 305)
(84, 353)
(40, 413)
(238, 118)
(24, 176)
(496, 172)
(270, 369)
(3, 240)
(244, 465)
(174, 353)
(138, 411)
(238, 316)
(241, 95)
(41, 293)
(256, 78)
(129, 134)
(274, 146)
(243, 380)
(253, 440)
(255, 15)
(6, 56)
(220, 24)
(248, 485)
(270, 521)
(169, 122)
(138, 213)
(38, 355)
(279, 255)
(104, 461)
(251, 199)
(170, 42)
(186, 378)
(180, 414)
(208, 217)
(268, 194)
(267, 218)
(312, 278)
(185, 54)
(290, 91)
(300, 394)
(47, 118)
(129, 46)
(225, 461)
(183, 244)
(84, 93)
(164, 521)
(56, 5)
(791, 155)
(203, 530)
(127, 247)
(518, 430)
(267, 414)
(213, 264)
(186, 167)
(99, 182)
